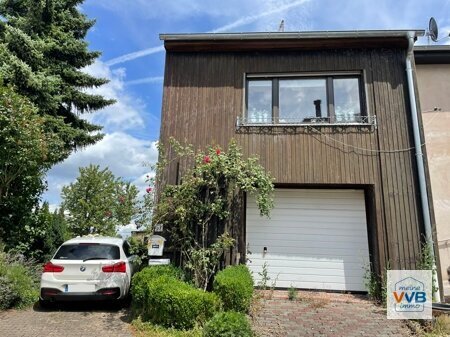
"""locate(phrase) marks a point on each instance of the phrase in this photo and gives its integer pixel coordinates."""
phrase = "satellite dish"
(433, 29)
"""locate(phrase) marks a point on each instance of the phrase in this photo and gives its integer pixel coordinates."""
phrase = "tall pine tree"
(42, 53)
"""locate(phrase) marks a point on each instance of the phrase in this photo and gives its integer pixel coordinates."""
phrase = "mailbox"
(156, 245)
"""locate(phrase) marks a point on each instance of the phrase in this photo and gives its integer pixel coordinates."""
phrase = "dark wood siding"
(203, 96)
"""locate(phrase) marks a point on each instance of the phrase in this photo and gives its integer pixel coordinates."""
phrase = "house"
(330, 116)
(433, 77)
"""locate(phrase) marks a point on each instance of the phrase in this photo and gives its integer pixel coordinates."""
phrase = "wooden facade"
(204, 96)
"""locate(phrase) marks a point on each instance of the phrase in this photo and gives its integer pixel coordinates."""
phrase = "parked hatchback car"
(88, 268)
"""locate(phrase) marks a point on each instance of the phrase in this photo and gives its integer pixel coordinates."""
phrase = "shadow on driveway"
(119, 309)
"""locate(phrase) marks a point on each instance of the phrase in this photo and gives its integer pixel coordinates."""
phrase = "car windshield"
(88, 251)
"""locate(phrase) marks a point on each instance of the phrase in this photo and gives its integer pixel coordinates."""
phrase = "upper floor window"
(303, 100)
(259, 104)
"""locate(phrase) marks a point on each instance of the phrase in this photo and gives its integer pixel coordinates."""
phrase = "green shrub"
(228, 324)
(234, 286)
(139, 249)
(139, 284)
(174, 303)
(19, 281)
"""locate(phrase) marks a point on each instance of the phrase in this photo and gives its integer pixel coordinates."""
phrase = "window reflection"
(347, 107)
(303, 100)
(260, 101)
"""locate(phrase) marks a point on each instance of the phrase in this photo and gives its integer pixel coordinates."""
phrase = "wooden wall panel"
(203, 96)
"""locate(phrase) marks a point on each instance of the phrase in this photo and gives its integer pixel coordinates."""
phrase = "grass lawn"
(147, 329)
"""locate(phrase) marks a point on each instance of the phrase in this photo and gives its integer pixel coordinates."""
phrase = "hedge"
(173, 303)
(139, 284)
(228, 324)
(234, 286)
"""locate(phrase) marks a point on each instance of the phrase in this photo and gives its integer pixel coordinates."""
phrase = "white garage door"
(315, 239)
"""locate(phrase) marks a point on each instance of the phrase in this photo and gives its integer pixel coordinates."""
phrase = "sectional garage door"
(314, 239)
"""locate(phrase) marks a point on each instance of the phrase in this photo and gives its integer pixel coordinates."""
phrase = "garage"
(314, 239)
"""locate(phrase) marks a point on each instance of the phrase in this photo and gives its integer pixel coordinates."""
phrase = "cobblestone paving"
(322, 314)
(79, 320)
(312, 314)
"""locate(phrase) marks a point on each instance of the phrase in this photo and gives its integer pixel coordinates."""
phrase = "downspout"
(419, 159)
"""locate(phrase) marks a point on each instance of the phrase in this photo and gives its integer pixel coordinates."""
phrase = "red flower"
(218, 152)
(121, 199)
(206, 159)
(108, 213)
(149, 189)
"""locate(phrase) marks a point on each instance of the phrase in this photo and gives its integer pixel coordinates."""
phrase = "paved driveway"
(312, 314)
(323, 314)
(79, 320)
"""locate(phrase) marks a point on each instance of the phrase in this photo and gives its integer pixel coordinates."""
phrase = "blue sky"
(127, 33)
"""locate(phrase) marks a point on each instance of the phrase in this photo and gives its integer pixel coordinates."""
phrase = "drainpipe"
(419, 159)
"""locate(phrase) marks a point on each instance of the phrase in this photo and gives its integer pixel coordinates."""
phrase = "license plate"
(80, 288)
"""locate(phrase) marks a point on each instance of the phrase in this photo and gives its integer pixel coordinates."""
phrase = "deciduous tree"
(98, 202)
(46, 233)
(27, 150)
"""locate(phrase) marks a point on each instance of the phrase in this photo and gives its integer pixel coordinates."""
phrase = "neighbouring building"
(329, 115)
(433, 77)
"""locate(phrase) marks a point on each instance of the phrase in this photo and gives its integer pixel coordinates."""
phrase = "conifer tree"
(42, 53)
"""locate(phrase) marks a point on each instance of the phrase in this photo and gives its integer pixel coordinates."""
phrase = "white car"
(88, 268)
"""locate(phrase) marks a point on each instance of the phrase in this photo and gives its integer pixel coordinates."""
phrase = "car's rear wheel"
(122, 303)
(44, 304)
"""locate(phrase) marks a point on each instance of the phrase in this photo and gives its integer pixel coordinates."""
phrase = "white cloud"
(125, 114)
(124, 155)
(53, 207)
(125, 231)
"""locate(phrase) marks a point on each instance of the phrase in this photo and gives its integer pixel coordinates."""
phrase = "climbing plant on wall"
(198, 213)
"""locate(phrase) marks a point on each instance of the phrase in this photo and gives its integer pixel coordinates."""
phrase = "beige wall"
(434, 91)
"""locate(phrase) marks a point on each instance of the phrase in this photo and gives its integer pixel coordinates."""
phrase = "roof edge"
(290, 35)
(433, 54)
